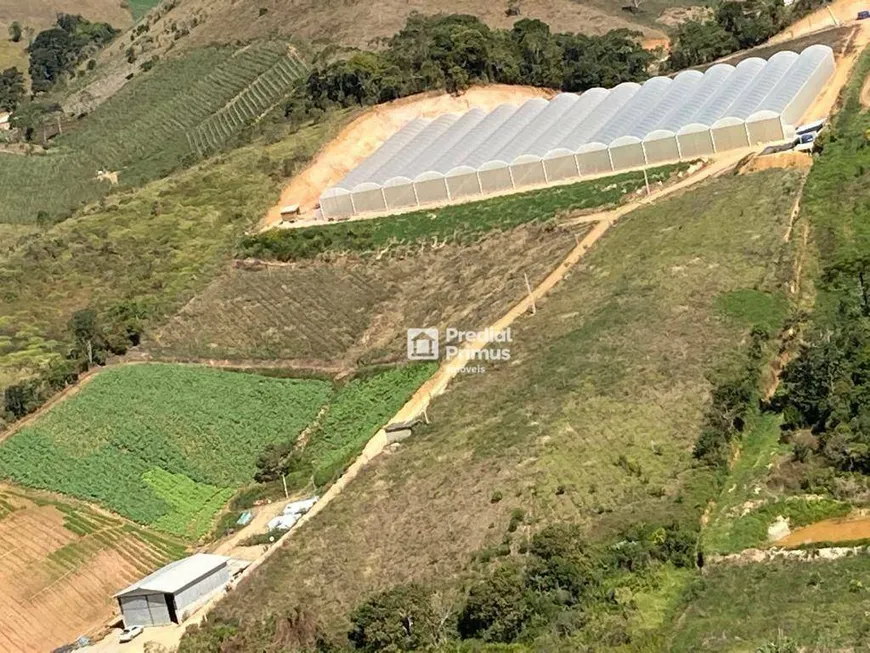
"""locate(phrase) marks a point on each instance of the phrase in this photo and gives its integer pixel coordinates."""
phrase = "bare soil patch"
(55, 584)
(368, 132)
(787, 160)
(829, 530)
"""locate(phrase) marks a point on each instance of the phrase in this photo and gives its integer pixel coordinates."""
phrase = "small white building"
(5, 124)
(163, 597)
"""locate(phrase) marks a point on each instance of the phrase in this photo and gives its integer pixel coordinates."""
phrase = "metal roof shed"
(162, 597)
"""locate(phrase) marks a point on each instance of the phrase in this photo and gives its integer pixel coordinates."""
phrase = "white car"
(130, 633)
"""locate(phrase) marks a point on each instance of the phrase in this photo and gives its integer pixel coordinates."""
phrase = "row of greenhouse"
(690, 116)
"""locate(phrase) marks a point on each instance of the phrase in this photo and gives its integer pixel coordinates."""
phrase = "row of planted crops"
(169, 445)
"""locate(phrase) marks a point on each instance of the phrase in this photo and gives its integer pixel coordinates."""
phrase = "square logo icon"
(423, 344)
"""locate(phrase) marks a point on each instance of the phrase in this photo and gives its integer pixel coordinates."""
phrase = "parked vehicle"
(864, 14)
(130, 633)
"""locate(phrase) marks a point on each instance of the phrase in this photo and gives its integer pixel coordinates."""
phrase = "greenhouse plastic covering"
(601, 131)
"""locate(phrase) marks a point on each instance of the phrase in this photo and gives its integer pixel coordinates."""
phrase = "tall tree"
(11, 89)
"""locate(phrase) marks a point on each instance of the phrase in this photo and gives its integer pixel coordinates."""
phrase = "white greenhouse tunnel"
(663, 120)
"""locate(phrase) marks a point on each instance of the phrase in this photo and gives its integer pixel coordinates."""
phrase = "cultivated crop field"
(169, 445)
(156, 247)
(162, 445)
(180, 110)
(593, 420)
(463, 223)
(61, 564)
(352, 310)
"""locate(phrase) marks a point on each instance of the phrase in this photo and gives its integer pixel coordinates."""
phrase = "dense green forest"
(453, 51)
(56, 51)
(825, 392)
(735, 25)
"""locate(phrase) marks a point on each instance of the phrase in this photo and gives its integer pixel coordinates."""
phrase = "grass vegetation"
(153, 249)
(592, 422)
(462, 223)
(355, 310)
(817, 605)
(161, 121)
(141, 7)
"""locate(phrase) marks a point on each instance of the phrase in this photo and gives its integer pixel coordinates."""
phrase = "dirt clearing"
(839, 529)
(60, 564)
(368, 132)
(790, 159)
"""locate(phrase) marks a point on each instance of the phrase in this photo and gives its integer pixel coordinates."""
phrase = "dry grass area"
(592, 420)
(360, 24)
(675, 16)
(354, 311)
(40, 14)
(195, 23)
(61, 563)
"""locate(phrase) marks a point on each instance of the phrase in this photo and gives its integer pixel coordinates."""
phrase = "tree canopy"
(454, 51)
(737, 24)
(11, 89)
(59, 49)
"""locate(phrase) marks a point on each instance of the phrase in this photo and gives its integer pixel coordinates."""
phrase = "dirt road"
(845, 11)
(824, 104)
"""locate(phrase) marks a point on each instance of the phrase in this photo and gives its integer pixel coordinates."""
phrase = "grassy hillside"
(820, 605)
(155, 247)
(179, 111)
(41, 14)
(593, 420)
(355, 310)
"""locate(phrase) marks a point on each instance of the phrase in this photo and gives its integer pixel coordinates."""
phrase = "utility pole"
(531, 296)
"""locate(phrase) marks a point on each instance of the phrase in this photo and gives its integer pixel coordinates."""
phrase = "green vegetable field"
(169, 445)
(356, 413)
(164, 445)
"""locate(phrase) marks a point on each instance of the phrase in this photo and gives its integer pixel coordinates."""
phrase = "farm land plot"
(108, 255)
(356, 309)
(463, 223)
(592, 420)
(151, 127)
(61, 563)
(162, 445)
(169, 445)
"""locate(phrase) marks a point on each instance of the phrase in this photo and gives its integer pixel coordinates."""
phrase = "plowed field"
(60, 564)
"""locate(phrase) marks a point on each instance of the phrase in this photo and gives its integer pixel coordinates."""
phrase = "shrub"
(399, 619)
(498, 608)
